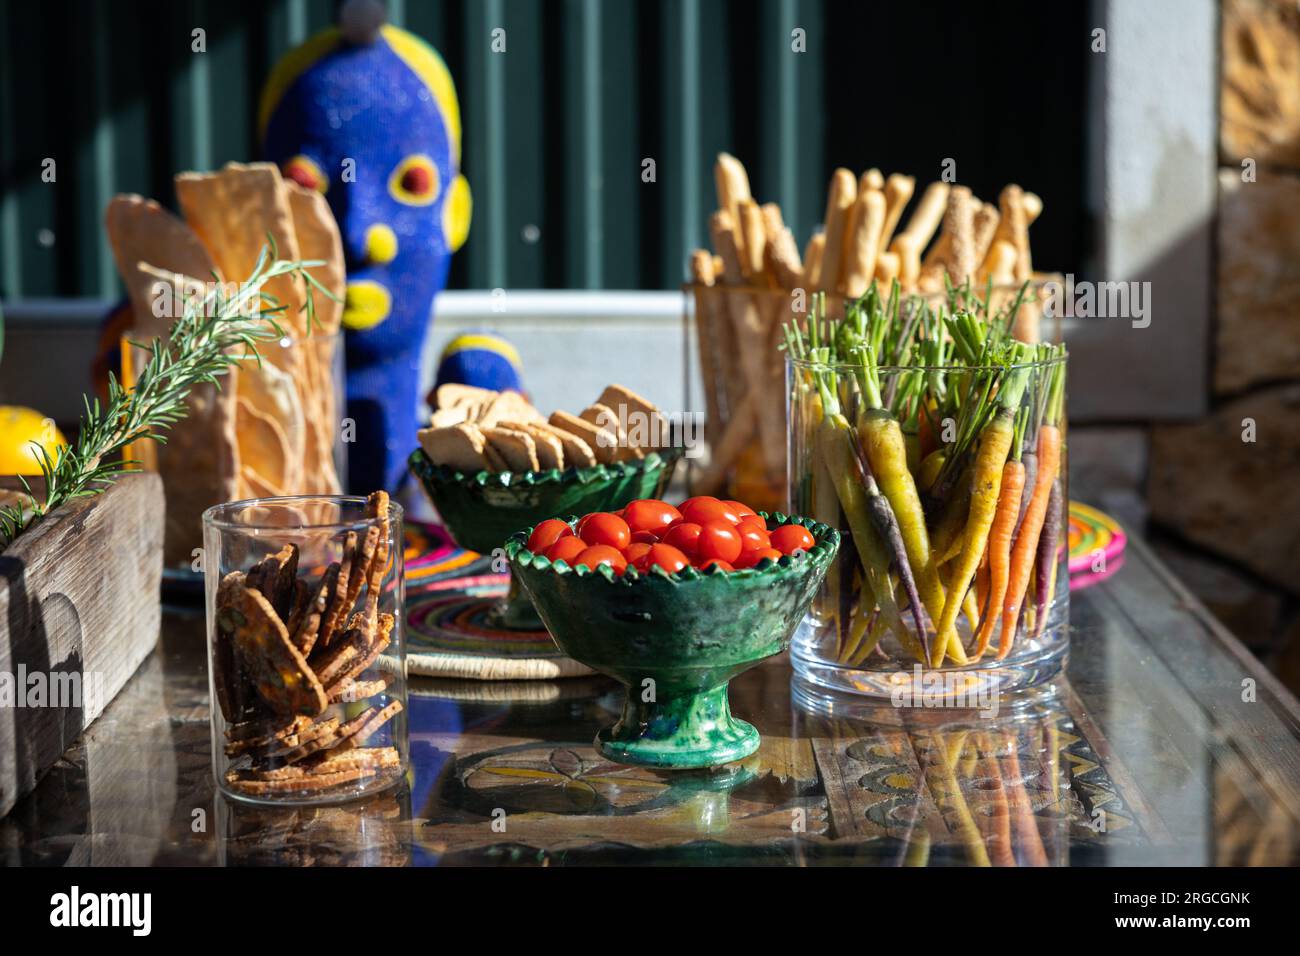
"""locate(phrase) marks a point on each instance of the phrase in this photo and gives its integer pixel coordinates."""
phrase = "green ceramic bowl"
(483, 509)
(675, 641)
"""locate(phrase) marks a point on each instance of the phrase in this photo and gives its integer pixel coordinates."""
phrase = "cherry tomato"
(665, 556)
(685, 535)
(741, 508)
(599, 554)
(635, 550)
(547, 533)
(702, 510)
(748, 559)
(714, 562)
(718, 539)
(690, 502)
(650, 514)
(601, 527)
(753, 535)
(566, 548)
(792, 537)
(644, 537)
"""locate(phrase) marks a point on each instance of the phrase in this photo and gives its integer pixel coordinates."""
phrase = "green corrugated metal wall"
(556, 128)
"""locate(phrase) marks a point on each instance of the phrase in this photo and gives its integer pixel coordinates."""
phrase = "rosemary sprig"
(204, 343)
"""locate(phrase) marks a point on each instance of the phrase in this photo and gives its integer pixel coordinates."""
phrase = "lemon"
(19, 427)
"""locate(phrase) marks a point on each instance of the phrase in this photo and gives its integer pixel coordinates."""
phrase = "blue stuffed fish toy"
(366, 113)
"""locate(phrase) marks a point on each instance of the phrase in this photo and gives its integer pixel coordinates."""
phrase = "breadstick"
(959, 223)
(1033, 207)
(772, 221)
(783, 259)
(732, 184)
(986, 226)
(722, 229)
(839, 200)
(929, 213)
(871, 179)
(887, 265)
(898, 193)
(920, 228)
(1015, 227)
(812, 261)
(864, 244)
(753, 241)
(999, 264)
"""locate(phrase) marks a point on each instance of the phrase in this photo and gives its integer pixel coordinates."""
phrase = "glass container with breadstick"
(306, 647)
(742, 292)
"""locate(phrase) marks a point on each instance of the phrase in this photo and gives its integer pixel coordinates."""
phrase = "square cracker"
(456, 446)
(549, 448)
(516, 448)
(653, 426)
(602, 416)
(602, 442)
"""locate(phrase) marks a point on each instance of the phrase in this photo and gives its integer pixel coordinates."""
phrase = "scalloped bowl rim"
(427, 471)
(827, 541)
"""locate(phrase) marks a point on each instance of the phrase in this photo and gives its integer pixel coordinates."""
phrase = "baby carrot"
(986, 485)
(1046, 563)
(999, 548)
(1026, 548)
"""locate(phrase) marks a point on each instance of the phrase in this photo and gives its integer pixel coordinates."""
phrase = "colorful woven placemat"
(1096, 545)
(450, 593)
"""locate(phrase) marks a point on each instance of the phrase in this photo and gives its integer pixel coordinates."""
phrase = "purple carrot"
(1046, 557)
(886, 524)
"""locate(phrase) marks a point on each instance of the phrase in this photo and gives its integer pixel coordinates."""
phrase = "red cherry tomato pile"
(704, 532)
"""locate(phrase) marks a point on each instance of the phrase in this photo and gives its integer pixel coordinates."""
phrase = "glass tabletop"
(1165, 743)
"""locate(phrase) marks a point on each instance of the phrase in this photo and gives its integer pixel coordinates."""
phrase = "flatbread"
(273, 394)
(264, 447)
(140, 230)
(453, 394)
(548, 448)
(233, 211)
(577, 453)
(604, 417)
(653, 426)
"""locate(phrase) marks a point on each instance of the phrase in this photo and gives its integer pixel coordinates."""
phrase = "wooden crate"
(79, 611)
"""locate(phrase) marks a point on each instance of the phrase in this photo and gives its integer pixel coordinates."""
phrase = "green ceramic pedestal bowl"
(675, 641)
(482, 510)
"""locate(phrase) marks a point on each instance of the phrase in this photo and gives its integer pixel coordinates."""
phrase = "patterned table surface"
(1167, 743)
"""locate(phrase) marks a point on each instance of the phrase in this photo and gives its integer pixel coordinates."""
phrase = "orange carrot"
(1004, 524)
(1026, 548)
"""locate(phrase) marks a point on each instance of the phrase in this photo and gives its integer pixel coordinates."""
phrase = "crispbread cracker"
(350, 690)
(602, 442)
(264, 447)
(199, 463)
(577, 453)
(266, 393)
(549, 448)
(516, 448)
(367, 546)
(233, 692)
(276, 577)
(233, 212)
(446, 417)
(140, 230)
(646, 425)
(305, 636)
(508, 405)
(459, 446)
(278, 671)
(604, 417)
(377, 506)
(453, 394)
(338, 606)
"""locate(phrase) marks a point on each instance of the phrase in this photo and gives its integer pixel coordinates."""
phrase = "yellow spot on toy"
(365, 304)
(381, 244)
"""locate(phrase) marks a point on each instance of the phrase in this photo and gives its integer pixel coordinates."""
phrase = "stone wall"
(1224, 492)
